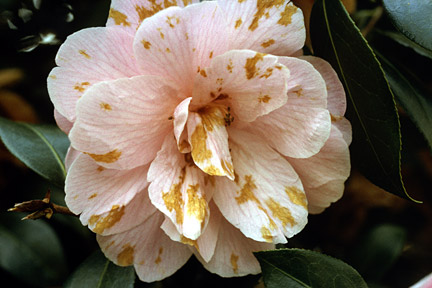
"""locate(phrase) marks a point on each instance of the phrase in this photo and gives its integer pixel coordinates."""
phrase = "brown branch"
(40, 208)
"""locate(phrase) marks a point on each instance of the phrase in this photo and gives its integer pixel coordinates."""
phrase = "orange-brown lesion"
(264, 99)
(238, 23)
(109, 157)
(146, 44)
(81, 87)
(250, 67)
(173, 199)
(234, 259)
(286, 15)
(126, 256)
(84, 53)
(268, 73)
(154, 7)
(102, 223)
(118, 17)
(159, 259)
(296, 196)
(262, 8)
(268, 43)
(196, 205)
(105, 106)
(280, 212)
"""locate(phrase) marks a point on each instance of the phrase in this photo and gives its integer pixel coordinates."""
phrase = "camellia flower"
(198, 128)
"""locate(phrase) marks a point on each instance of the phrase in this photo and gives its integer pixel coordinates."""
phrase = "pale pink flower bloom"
(194, 131)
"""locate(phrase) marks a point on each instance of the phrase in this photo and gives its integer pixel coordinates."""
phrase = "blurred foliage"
(356, 229)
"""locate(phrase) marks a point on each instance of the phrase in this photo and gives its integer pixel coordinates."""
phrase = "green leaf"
(376, 146)
(304, 268)
(379, 251)
(99, 272)
(31, 251)
(41, 147)
(413, 18)
(413, 99)
(404, 41)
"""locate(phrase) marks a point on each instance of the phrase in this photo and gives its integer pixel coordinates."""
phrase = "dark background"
(388, 239)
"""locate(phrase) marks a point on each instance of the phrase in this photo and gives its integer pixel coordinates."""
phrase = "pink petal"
(324, 174)
(209, 141)
(146, 246)
(274, 27)
(181, 115)
(94, 191)
(88, 57)
(122, 123)
(121, 218)
(205, 245)
(336, 96)
(233, 253)
(129, 14)
(266, 201)
(62, 122)
(253, 84)
(300, 128)
(71, 156)
(306, 86)
(175, 42)
(177, 190)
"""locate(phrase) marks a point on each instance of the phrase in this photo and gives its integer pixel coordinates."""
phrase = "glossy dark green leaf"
(304, 268)
(41, 147)
(413, 18)
(99, 272)
(376, 146)
(404, 41)
(413, 99)
(378, 251)
(31, 251)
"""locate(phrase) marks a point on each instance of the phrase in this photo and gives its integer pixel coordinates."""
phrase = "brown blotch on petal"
(146, 44)
(84, 53)
(297, 196)
(173, 199)
(81, 86)
(126, 256)
(230, 66)
(92, 196)
(299, 92)
(105, 106)
(280, 212)
(268, 73)
(250, 66)
(335, 118)
(246, 192)
(159, 259)
(268, 43)
(266, 234)
(286, 15)
(162, 35)
(238, 23)
(234, 258)
(118, 17)
(102, 223)
(109, 157)
(203, 73)
(190, 242)
(264, 99)
(262, 7)
(196, 205)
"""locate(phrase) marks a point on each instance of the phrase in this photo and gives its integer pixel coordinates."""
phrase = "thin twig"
(40, 208)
